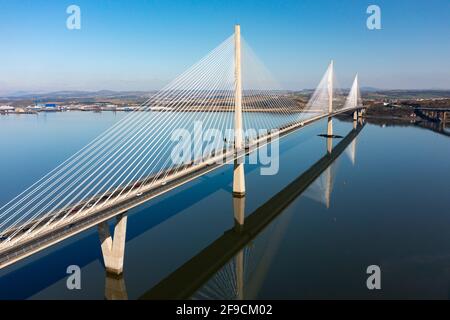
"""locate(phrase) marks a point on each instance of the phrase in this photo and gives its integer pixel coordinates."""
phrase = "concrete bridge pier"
(360, 113)
(360, 121)
(238, 173)
(355, 124)
(238, 180)
(113, 249)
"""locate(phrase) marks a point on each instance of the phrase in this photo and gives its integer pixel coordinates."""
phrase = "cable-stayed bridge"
(239, 108)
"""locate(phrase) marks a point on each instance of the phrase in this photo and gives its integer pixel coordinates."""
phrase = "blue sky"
(142, 45)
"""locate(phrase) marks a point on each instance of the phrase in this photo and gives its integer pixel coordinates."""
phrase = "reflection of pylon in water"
(328, 186)
(320, 190)
(243, 276)
(240, 275)
(351, 151)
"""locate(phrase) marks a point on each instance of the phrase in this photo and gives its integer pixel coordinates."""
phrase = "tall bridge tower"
(330, 107)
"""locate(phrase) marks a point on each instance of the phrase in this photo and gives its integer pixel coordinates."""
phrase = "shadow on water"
(215, 259)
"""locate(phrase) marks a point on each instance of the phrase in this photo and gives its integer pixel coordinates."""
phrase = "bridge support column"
(355, 119)
(238, 180)
(238, 173)
(360, 121)
(113, 249)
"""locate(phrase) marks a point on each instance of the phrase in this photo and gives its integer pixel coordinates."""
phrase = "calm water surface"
(384, 201)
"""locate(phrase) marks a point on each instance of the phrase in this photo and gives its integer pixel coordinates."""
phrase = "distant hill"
(64, 95)
(21, 99)
(406, 94)
(370, 89)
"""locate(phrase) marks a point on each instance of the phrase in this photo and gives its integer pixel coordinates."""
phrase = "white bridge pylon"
(354, 96)
(157, 145)
(238, 173)
(328, 97)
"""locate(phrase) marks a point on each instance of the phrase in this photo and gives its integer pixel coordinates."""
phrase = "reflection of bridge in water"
(438, 127)
(436, 119)
(233, 266)
(130, 163)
